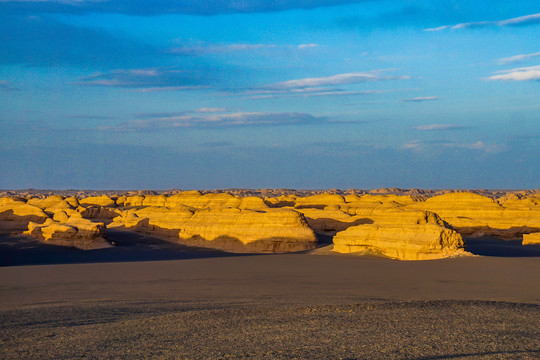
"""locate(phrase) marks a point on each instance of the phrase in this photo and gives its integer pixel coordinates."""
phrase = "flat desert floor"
(210, 305)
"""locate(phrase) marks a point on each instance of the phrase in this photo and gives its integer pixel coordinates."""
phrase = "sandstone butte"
(417, 235)
(402, 227)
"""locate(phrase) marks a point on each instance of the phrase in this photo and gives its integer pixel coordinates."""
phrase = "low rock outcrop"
(15, 216)
(74, 231)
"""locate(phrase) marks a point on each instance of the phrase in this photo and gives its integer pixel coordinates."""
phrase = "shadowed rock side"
(416, 236)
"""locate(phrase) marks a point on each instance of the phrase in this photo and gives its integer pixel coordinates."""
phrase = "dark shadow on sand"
(130, 246)
(493, 246)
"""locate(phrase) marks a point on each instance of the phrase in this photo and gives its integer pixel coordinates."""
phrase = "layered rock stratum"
(411, 224)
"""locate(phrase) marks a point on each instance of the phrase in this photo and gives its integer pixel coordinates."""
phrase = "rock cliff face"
(409, 237)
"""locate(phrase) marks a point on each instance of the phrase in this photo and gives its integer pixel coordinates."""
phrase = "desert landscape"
(275, 273)
(269, 179)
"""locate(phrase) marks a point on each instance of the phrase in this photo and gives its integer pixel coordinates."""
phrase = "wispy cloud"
(422, 145)
(436, 127)
(518, 21)
(518, 58)
(165, 115)
(210, 49)
(348, 78)
(421, 98)
(91, 117)
(518, 74)
(149, 79)
(202, 49)
(319, 86)
(7, 86)
(307, 46)
(238, 119)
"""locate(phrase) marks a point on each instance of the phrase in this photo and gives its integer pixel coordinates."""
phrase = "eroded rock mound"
(15, 215)
(74, 231)
(274, 230)
(416, 236)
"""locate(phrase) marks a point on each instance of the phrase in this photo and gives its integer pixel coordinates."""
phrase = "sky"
(305, 94)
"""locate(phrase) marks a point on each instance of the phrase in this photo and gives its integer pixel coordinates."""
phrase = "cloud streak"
(530, 73)
(436, 127)
(526, 20)
(318, 86)
(7, 86)
(421, 99)
(149, 79)
(518, 58)
(347, 78)
(199, 119)
(429, 145)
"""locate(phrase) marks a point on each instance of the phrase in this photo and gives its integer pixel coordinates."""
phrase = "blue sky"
(300, 94)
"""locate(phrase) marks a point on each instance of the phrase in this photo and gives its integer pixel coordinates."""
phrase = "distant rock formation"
(393, 222)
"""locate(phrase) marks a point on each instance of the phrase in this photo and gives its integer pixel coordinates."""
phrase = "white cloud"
(518, 58)
(307, 46)
(432, 127)
(421, 98)
(149, 79)
(431, 145)
(202, 118)
(518, 21)
(319, 86)
(479, 145)
(518, 74)
(208, 49)
(348, 78)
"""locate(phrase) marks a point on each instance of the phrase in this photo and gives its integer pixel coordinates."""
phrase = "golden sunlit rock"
(274, 230)
(531, 239)
(415, 237)
(74, 231)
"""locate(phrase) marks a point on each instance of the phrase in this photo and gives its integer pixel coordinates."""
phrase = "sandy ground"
(207, 305)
